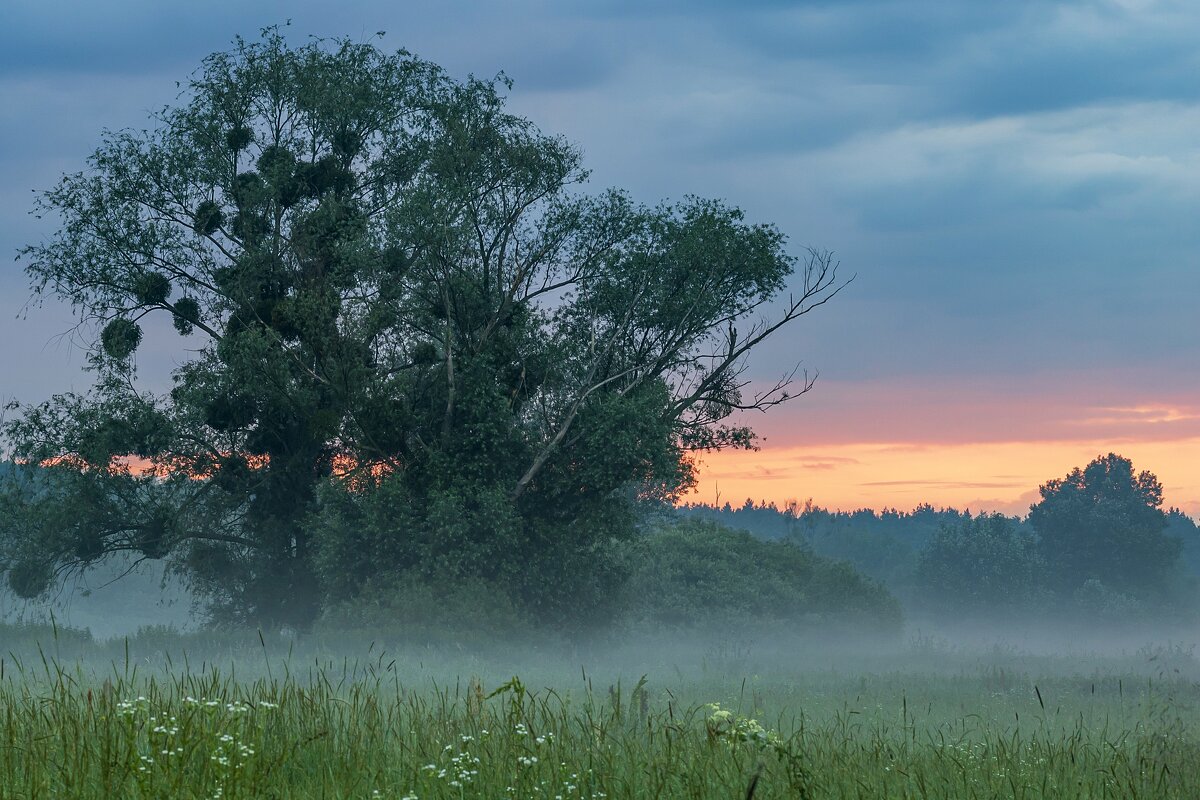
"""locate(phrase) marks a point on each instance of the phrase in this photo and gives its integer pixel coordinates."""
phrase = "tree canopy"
(981, 564)
(409, 341)
(1104, 522)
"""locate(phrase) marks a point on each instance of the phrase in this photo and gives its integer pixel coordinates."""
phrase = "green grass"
(919, 722)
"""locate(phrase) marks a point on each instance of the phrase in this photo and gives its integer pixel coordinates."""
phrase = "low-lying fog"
(151, 615)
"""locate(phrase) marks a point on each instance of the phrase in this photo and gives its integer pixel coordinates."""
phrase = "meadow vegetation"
(232, 715)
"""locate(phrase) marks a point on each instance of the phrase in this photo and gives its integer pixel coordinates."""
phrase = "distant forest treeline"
(882, 544)
(901, 549)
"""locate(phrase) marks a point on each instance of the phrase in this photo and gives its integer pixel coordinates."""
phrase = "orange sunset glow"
(967, 449)
(992, 476)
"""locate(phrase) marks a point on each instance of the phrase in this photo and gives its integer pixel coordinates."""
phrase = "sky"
(1015, 188)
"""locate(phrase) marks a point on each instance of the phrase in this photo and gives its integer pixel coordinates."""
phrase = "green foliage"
(187, 314)
(982, 565)
(29, 579)
(152, 288)
(551, 570)
(120, 338)
(701, 573)
(208, 218)
(410, 321)
(1104, 523)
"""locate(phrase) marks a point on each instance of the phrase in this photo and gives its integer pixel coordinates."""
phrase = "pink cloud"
(912, 414)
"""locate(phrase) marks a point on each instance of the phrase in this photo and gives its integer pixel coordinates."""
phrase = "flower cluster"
(158, 741)
(235, 707)
(461, 769)
(131, 708)
(229, 752)
(723, 725)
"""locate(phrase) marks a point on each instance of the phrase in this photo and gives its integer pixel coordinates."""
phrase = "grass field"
(725, 720)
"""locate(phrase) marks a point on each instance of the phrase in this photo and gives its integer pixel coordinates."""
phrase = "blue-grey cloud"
(129, 37)
(1016, 184)
(868, 35)
(528, 40)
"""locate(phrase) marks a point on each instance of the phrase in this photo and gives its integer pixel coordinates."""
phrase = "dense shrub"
(694, 572)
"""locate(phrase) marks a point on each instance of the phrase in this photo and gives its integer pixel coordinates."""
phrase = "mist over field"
(710, 712)
(710, 592)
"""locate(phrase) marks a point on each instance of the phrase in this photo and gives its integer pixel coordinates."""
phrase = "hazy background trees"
(1104, 523)
(1098, 545)
(982, 564)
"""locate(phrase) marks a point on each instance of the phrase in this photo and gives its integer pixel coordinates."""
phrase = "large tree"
(409, 340)
(1105, 523)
